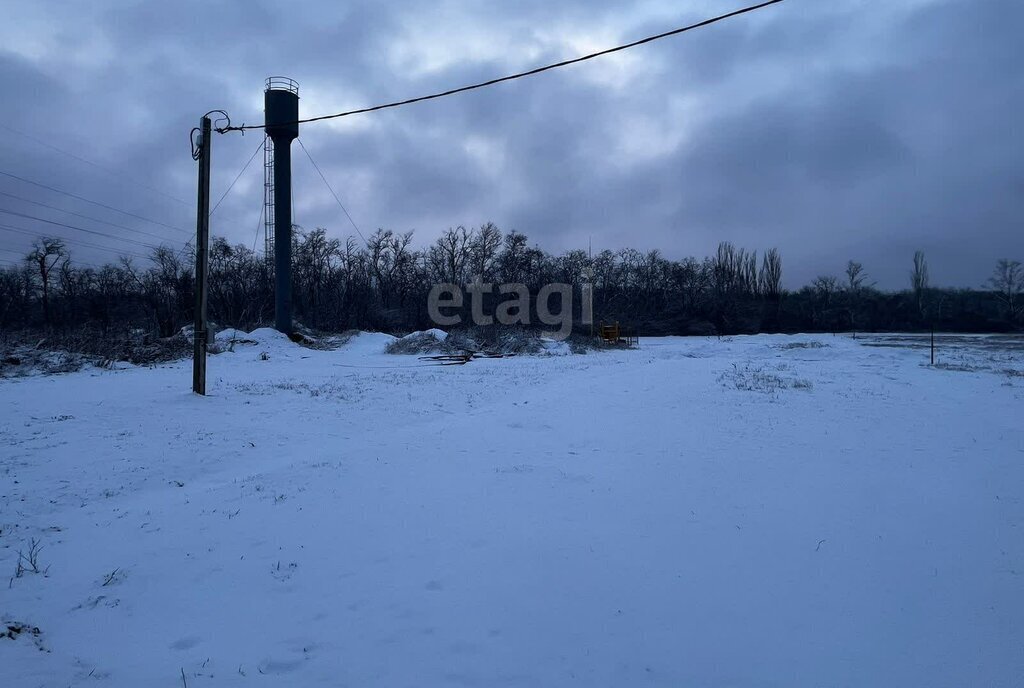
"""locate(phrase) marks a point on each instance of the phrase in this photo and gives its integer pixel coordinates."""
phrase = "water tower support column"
(283, 236)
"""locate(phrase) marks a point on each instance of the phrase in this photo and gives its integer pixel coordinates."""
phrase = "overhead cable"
(510, 77)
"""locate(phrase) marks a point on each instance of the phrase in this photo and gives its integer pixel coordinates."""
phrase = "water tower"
(281, 114)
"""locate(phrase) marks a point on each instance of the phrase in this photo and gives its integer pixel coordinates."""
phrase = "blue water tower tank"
(281, 108)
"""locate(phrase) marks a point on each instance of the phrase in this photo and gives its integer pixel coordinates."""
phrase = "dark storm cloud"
(830, 130)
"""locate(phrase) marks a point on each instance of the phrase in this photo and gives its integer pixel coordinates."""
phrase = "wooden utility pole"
(199, 334)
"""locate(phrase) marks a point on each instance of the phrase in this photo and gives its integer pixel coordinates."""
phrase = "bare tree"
(513, 259)
(313, 262)
(825, 286)
(751, 284)
(483, 252)
(726, 264)
(167, 288)
(450, 254)
(1007, 282)
(16, 291)
(771, 275)
(46, 253)
(855, 276)
(855, 286)
(389, 259)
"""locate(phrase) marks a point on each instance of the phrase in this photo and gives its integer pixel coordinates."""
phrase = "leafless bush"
(333, 390)
(493, 338)
(68, 351)
(959, 367)
(323, 341)
(804, 345)
(29, 562)
(756, 378)
(419, 343)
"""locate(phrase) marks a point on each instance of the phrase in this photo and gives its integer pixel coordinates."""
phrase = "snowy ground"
(755, 511)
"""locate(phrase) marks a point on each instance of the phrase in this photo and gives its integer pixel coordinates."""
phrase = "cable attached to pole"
(331, 189)
(237, 177)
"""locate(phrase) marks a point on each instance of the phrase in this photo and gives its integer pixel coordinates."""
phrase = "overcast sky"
(830, 130)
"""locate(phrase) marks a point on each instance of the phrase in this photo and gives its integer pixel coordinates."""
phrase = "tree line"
(383, 284)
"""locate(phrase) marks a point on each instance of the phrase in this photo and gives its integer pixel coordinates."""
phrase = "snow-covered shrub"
(751, 377)
(432, 341)
(804, 345)
(495, 339)
(65, 352)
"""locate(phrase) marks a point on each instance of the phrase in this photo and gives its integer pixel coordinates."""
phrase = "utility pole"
(199, 334)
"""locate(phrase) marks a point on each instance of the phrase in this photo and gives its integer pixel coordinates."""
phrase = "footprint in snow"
(186, 643)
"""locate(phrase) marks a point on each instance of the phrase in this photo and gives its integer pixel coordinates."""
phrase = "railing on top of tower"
(282, 83)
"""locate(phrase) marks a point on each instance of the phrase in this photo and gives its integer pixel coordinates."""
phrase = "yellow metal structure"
(612, 335)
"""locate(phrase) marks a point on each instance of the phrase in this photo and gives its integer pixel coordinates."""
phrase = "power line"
(86, 217)
(238, 176)
(78, 242)
(181, 253)
(78, 229)
(96, 203)
(188, 244)
(259, 222)
(25, 254)
(518, 75)
(329, 188)
(94, 164)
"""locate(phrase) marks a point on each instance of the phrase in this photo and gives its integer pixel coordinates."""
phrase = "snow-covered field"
(755, 511)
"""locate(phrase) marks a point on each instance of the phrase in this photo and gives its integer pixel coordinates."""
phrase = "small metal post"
(199, 334)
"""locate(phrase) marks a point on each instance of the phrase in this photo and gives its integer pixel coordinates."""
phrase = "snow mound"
(233, 336)
(369, 343)
(553, 347)
(268, 335)
(265, 339)
(439, 335)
